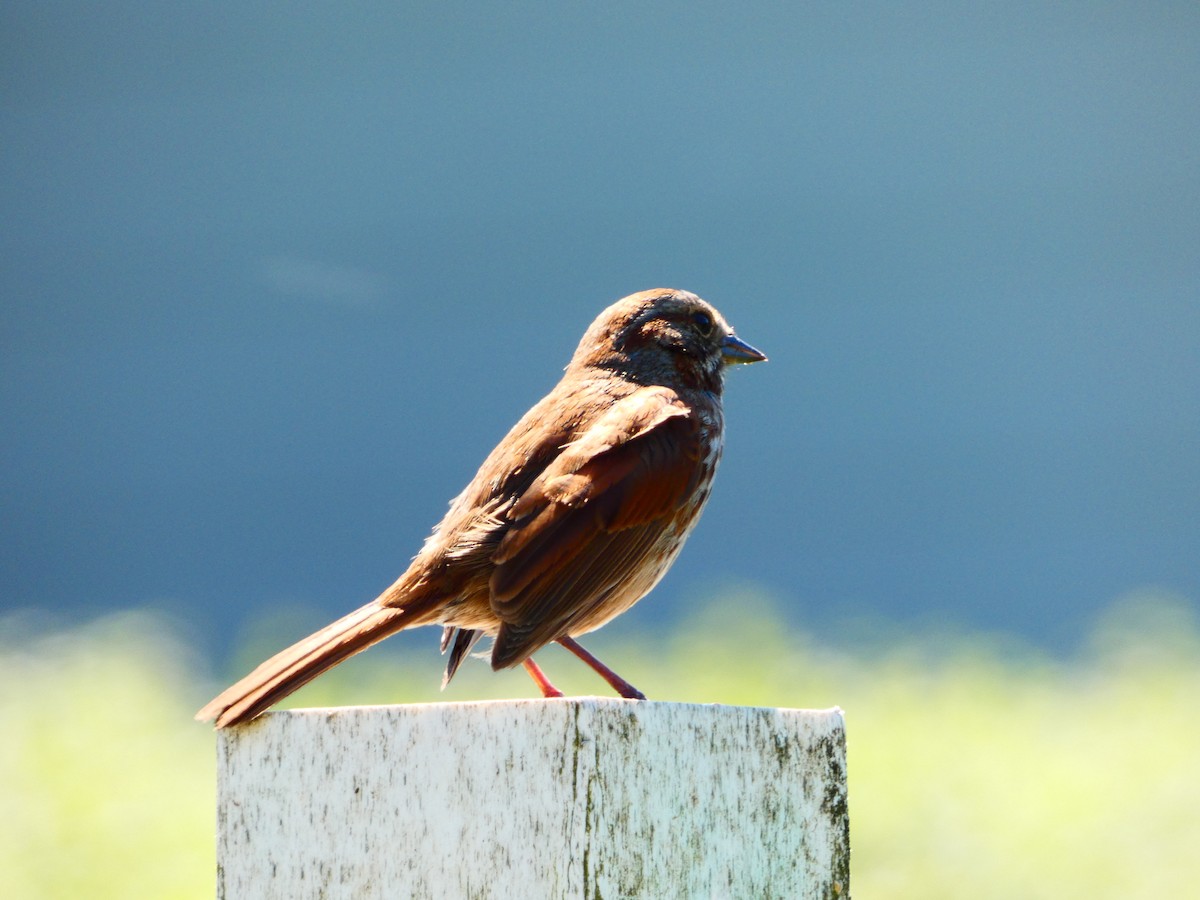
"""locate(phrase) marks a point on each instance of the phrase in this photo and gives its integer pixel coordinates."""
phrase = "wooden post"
(581, 798)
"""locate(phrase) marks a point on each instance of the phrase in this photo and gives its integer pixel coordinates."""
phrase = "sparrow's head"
(666, 337)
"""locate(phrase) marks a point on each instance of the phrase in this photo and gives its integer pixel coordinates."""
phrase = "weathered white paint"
(580, 798)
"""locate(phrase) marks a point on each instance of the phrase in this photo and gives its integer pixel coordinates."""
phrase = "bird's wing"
(592, 517)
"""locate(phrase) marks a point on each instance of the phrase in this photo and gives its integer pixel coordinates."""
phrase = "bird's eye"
(703, 322)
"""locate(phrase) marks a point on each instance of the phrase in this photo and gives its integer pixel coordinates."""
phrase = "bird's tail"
(290, 669)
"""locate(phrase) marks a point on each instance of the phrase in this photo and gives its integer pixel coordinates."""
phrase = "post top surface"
(540, 705)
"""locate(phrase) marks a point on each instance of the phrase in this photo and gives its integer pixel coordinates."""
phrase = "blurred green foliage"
(976, 768)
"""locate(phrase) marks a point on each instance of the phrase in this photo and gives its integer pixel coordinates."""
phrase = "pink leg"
(540, 679)
(618, 684)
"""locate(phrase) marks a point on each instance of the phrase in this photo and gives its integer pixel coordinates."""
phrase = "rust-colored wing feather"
(591, 517)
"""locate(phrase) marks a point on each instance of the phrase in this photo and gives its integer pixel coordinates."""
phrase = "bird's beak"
(735, 350)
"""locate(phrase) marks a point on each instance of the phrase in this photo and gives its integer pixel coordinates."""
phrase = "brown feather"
(294, 667)
(636, 470)
(583, 534)
(581, 598)
(573, 517)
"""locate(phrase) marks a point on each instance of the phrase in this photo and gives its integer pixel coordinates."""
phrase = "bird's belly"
(625, 594)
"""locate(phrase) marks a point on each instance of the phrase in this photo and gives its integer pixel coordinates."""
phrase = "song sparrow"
(572, 519)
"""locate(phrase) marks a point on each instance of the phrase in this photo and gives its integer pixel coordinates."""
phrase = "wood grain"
(581, 798)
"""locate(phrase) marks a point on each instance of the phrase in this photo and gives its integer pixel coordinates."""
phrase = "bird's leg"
(540, 679)
(619, 684)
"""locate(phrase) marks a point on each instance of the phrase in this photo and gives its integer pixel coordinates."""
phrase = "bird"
(575, 515)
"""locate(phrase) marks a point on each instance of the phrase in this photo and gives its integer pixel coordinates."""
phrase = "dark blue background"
(276, 278)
